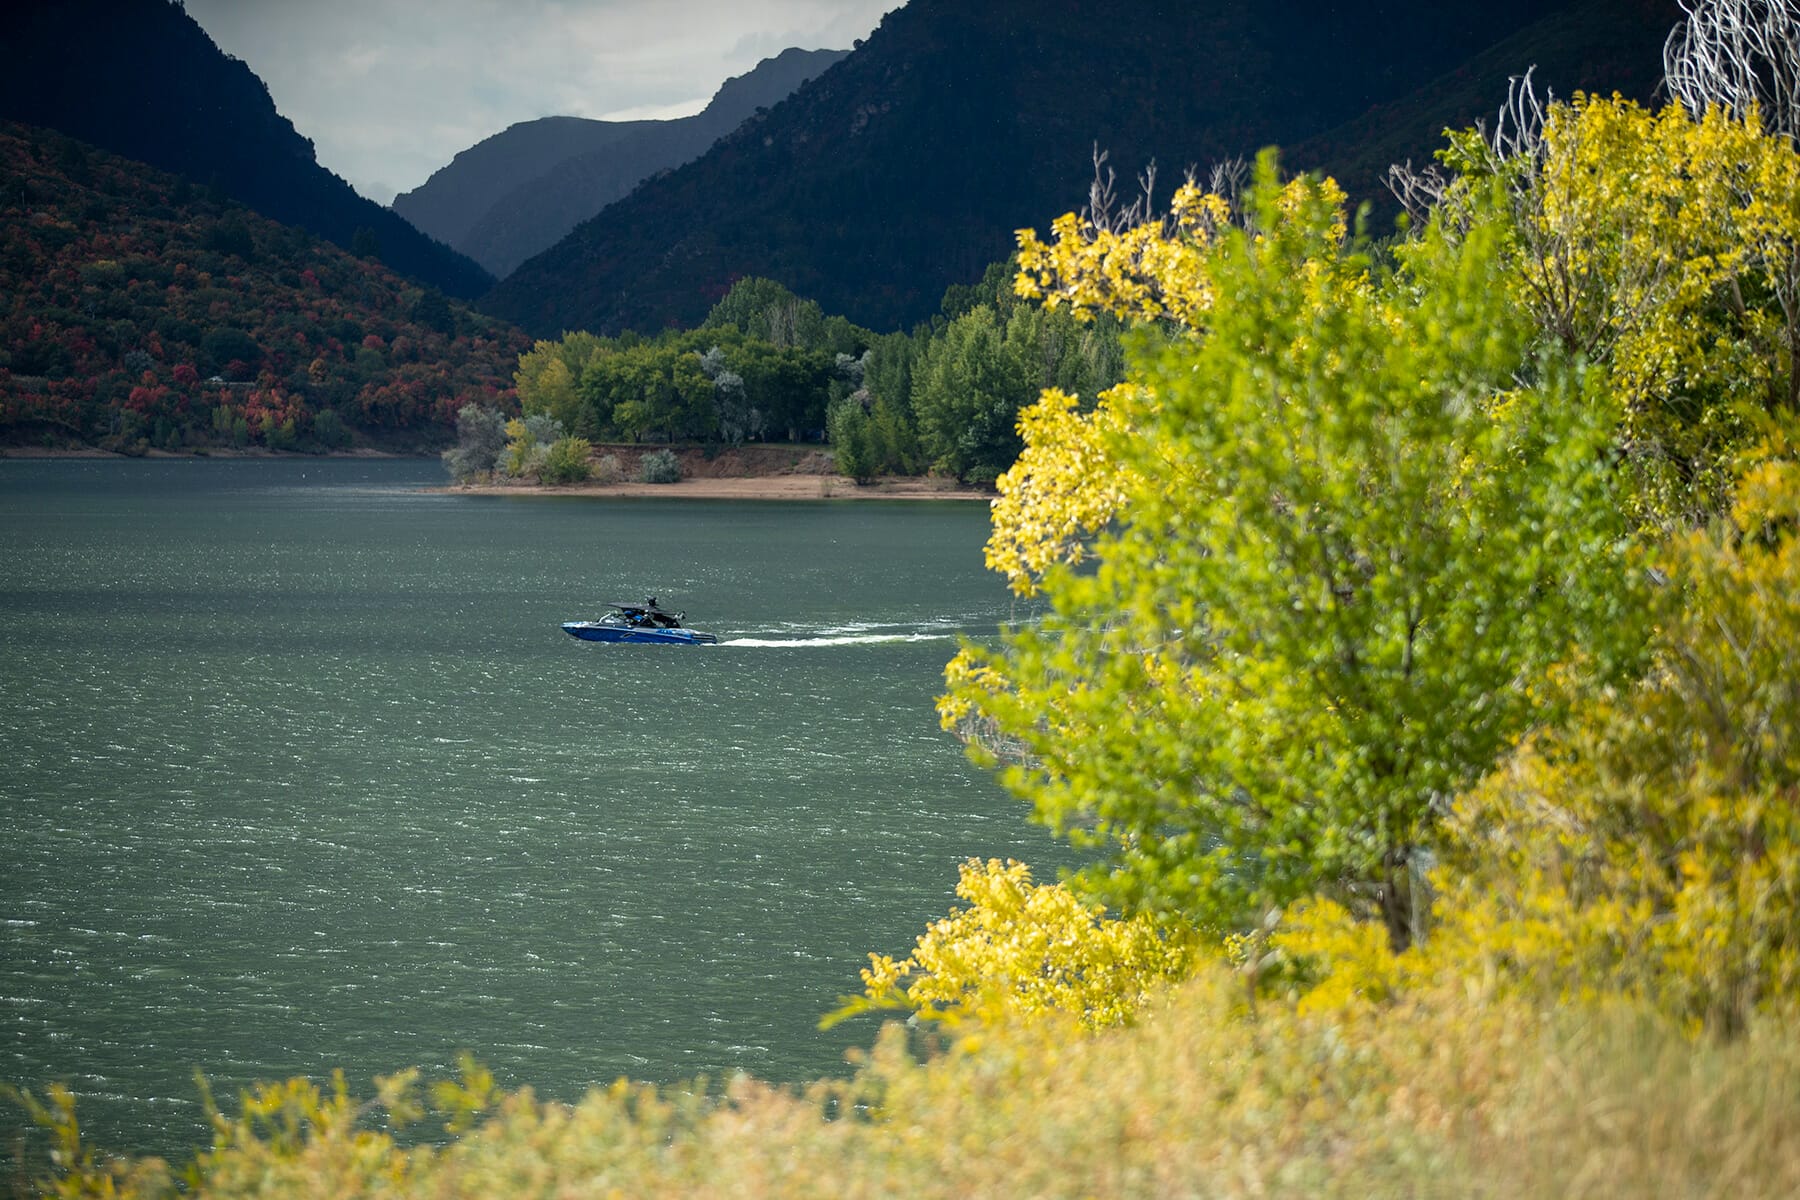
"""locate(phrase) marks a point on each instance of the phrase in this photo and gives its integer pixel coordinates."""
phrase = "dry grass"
(1441, 1096)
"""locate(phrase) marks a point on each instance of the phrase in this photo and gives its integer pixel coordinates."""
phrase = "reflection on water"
(301, 773)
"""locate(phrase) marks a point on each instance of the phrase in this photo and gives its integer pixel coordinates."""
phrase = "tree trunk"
(1395, 896)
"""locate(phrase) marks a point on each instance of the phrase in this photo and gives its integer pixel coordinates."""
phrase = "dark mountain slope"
(521, 190)
(1600, 46)
(142, 79)
(907, 166)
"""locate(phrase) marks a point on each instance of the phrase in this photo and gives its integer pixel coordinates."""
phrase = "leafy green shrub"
(660, 466)
(852, 440)
(566, 461)
(543, 428)
(528, 450)
(1655, 841)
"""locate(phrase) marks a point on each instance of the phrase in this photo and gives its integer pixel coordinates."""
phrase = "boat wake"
(854, 639)
(859, 633)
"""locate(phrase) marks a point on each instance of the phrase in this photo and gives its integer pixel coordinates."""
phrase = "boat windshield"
(638, 617)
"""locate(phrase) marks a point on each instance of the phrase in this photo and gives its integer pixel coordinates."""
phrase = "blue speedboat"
(646, 622)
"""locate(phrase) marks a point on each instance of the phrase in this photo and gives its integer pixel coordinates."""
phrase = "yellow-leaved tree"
(1020, 949)
(1214, 700)
(1660, 246)
(1346, 514)
(1651, 844)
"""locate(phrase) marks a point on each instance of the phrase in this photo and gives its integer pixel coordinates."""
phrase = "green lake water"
(300, 773)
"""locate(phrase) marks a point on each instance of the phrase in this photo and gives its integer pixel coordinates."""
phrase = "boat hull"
(596, 631)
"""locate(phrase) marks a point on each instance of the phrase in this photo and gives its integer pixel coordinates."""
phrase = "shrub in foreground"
(1021, 949)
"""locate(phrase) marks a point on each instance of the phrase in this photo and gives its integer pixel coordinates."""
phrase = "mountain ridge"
(520, 191)
(456, 195)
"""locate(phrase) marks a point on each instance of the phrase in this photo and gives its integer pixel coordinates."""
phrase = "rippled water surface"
(300, 773)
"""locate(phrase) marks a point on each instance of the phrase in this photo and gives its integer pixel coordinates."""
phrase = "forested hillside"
(140, 78)
(518, 192)
(906, 168)
(142, 312)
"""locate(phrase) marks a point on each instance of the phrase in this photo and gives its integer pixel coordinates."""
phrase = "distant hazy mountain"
(447, 205)
(518, 192)
(907, 166)
(142, 79)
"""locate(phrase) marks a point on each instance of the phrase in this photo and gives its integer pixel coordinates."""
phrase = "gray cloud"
(390, 90)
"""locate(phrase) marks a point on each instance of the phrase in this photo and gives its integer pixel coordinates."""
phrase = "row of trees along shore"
(1420, 672)
(768, 365)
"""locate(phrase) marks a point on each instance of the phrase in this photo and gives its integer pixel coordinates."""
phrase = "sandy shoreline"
(739, 487)
(785, 485)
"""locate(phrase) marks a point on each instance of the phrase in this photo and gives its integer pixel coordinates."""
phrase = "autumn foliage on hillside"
(142, 311)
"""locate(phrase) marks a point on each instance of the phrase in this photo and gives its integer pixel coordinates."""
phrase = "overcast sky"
(390, 90)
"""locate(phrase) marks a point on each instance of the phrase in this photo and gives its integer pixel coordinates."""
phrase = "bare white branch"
(1418, 189)
(1736, 53)
(1518, 133)
(1106, 213)
(1519, 128)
